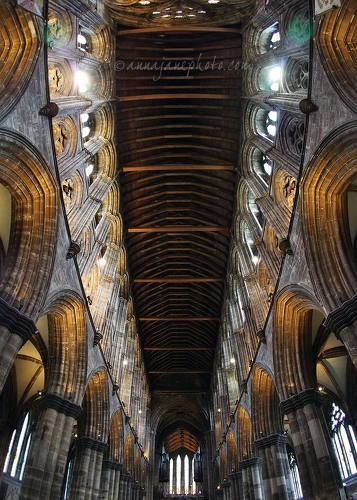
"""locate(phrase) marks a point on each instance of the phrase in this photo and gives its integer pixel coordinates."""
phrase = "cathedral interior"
(178, 251)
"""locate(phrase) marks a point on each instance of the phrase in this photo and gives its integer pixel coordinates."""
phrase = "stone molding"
(112, 464)
(298, 401)
(92, 444)
(268, 441)
(16, 322)
(62, 405)
(248, 463)
(342, 317)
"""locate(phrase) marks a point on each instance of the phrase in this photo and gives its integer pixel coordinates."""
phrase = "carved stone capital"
(62, 405)
(92, 444)
(248, 463)
(298, 401)
(342, 317)
(16, 322)
(112, 464)
(272, 440)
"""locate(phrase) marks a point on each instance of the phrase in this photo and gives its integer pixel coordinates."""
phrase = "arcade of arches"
(178, 252)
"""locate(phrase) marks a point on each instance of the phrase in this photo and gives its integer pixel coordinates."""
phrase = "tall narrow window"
(178, 475)
(271, 120)
(295, 475)
(171, 476)
(194, 488)
(18, 450)
(187, 475)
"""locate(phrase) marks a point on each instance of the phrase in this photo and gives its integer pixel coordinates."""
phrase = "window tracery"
(56, 29)
(299, 27)
(67, 189)
(344, 441)
(65, 137)
(289, 185)
(296, 75)
(56, 79)
(295, 136)
(61, 138)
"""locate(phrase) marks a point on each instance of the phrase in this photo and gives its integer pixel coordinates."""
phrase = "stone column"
(87, 469)
(122, 484)
(15, 330)
(252, 487)
(128, 480)
(274, 461)
(235, 480)
(110, 480)
(182, 481)
(46, 463)
(135, 490)
(318, 469)
(219, 493)
(175, 489)
(190, 477)
(226, 489)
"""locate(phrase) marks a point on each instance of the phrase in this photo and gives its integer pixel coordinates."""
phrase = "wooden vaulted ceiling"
(178, 84)
(178, 149)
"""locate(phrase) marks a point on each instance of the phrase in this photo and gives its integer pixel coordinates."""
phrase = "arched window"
(344, 441)
(82, 81)
(271, 123)
(82, 41)
(178, 474)
(257, 213)
(171, 476)
(270, 38)
(267, 165)
(270, 78)
(187, 475)
(250, 243)
(86, 125)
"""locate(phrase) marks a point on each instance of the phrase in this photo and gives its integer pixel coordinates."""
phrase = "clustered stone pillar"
(126, 481)
(252, 479)
(236, 481)
(110, 480)
(226, 490)
(276, 473)
(51, 439)
(87, 469)
(318, 470)
(15, 330)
